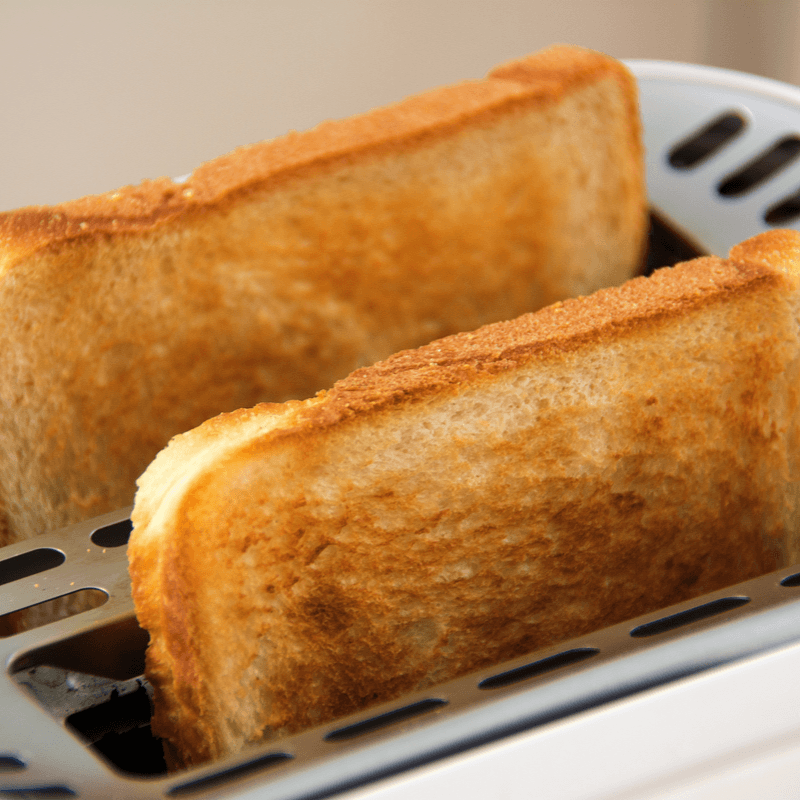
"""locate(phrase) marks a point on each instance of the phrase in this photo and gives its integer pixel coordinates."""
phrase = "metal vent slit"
(218, 778)
(696, 614)
(791, 580)
(114, 535)
(703, 144)
(383, 720)
(761, 168)
(30, 563)
(540, 667)
(784, 212)
(39, 614)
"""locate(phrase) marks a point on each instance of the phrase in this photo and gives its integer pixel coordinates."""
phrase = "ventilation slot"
(791, 580)
(115, 535)
(11, 764)
(764, 167)
(692, 615)
(538, 668)
(383, 720)
(219, 778)
(31, 563)
(51, 610)
(691, 152)
(784, 212)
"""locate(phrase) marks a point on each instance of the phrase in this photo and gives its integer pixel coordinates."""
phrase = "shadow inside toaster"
(95, 683)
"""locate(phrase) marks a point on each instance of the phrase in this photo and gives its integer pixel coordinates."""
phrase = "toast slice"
(472, 500)
(275, 270)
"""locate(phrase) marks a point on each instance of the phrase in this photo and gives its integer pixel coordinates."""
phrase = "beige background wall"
(99, 93)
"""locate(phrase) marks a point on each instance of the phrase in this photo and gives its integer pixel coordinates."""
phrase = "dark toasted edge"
(538, 79)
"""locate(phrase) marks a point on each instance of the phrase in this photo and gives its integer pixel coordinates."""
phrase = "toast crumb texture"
(475, 499)
(282, 267)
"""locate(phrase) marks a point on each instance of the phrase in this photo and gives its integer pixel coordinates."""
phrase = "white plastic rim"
(677, 100)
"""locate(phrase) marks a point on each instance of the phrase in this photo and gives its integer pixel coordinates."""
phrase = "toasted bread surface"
(277, 269)
(472, 500)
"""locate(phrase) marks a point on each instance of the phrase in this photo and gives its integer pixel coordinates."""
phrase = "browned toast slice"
(472, 500)
(275, 270)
